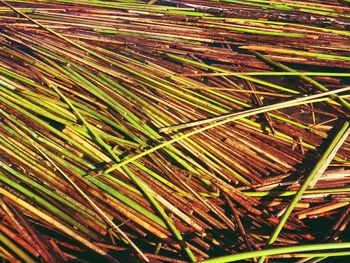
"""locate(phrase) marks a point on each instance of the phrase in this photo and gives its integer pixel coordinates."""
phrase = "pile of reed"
(174, 131)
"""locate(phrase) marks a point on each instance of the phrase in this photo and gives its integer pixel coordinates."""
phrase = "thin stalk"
(227, 119)
(55, 223)
(304, 77)
(276, 106)
(17, 250)
(138, 181)
(278, 251)
(318, 170)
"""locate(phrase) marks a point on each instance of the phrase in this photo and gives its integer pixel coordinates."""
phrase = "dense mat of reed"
(174, 131)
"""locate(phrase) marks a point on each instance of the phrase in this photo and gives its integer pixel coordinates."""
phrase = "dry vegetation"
(174, 131)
